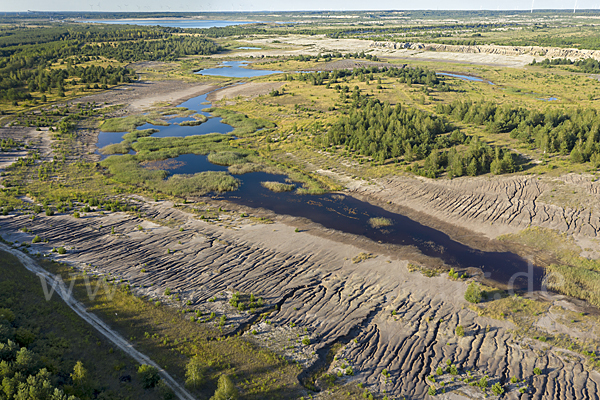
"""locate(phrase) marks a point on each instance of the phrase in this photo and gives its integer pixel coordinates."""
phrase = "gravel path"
(96, 322)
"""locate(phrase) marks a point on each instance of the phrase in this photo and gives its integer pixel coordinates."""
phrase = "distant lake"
(235, 69)
(172, 23)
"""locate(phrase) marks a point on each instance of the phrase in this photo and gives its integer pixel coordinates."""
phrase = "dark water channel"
(345, 213)
(464, 77)
(350, 215)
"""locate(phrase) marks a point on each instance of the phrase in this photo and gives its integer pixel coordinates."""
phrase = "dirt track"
(101, 326)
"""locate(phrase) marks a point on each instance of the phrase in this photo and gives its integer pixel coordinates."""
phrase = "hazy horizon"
(275, 6)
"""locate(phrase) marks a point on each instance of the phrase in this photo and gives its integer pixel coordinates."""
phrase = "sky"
(287, 5)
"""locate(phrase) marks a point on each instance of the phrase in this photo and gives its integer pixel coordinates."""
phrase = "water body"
(235, 69)
(192, 164)
(248, 48)
(347, 214)
(549, 99)
(463, 77)
(197, 104)
(172, 23)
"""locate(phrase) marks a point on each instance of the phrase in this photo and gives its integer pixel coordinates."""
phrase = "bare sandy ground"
(248, 90)
(40, 140)
(298, 44)
(386, 316)
(142, 95)
(494, 206)
(490, 55)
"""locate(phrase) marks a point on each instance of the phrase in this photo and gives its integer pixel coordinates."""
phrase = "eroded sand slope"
(316, 286)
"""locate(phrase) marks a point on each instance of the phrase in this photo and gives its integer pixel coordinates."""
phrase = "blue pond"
(248, 48)
(198, 104)
(463, 77)
(549, 99)
(192, 164)
(235, 69)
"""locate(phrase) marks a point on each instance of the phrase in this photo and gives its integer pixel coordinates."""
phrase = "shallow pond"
(235, 69)
(464, 77)
(199, 103)
(248, 48)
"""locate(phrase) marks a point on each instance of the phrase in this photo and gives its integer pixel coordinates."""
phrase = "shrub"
(432, 391)
(460, 331)
(148, 375)
(36, 239)
(61, 250)
(537, 371)
(306, 341)
(474, 293)
(439, 371)
(226, 390)
(164, 391)
(483, 382)
(167, 292)
(497, 389)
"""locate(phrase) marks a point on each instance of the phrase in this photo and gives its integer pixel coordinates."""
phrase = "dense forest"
(574, 132)
(29, 57)
(381, 131)
(588, 65)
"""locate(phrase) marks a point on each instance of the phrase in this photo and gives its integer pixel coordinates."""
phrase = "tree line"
(27, 55)
(574, 132)
(588, 65)
(417, 75)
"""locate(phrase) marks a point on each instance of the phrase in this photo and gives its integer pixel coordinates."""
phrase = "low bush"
(474, 294)
(278, 187)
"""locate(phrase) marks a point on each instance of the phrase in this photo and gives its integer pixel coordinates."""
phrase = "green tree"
(194, 372)
(472, 168)
(576, 156)
(226, 390)
(79, 375)
(148, 376)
